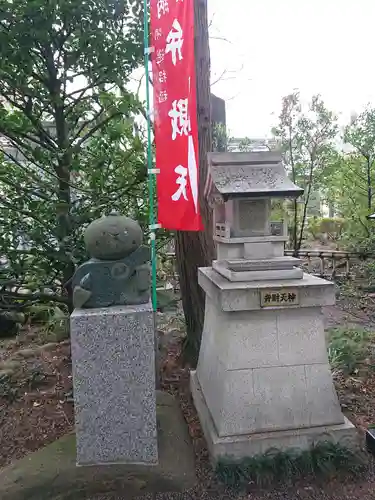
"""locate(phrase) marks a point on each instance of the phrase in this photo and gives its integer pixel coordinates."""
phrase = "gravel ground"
(354, 492)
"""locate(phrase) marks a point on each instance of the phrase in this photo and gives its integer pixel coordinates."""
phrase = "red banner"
(175, 114)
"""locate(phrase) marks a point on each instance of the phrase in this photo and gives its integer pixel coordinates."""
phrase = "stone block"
(229, 251)
(280, 397)
(264, 249)
(245, 296)
(252, 239)
(252, 342)
(279, 228)
(212, 359)
(113, 356)
(301, 336)
(238, 447)
(249, 401)
(323, 294)
(213, 379)
(276, 274)
(236, 414)
(322, 400)
(271, 337)
(276, 263)
(251, 217)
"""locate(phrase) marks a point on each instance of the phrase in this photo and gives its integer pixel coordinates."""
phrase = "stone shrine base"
(248, 445)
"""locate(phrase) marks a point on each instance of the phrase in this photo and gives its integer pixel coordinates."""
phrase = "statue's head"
(112, 237)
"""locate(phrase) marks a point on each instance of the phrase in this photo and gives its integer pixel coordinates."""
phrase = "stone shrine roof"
(251, 175)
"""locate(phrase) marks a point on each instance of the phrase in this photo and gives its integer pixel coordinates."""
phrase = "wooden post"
(194, 250)
(321, 264)
(309, 264)
(333, 266)
(347, 266)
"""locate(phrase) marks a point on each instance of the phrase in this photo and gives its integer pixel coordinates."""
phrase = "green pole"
(151, 175)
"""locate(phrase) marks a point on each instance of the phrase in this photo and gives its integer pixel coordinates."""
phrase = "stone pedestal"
(263, 379)
(113, 356)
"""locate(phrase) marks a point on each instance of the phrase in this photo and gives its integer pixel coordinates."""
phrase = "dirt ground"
(36, 407)
(35, 395)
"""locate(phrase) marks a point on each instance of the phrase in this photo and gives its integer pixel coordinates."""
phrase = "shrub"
(348, 348)
(332, 227)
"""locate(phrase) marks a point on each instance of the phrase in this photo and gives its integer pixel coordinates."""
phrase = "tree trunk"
(369, 185)
(307, 199)
(64, 200)
(64, 228)
(295, 227)
(331, 208)
(196, 249)
(295, 204)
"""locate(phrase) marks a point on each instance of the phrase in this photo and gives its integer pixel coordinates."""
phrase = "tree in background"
(69, 148)
(307, 138)
(346, 186)
(360, 134)
(350, 179)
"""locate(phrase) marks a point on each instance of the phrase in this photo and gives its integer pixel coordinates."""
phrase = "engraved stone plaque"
(282, 297)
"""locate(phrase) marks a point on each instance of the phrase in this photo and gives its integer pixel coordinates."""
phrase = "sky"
(268, 48)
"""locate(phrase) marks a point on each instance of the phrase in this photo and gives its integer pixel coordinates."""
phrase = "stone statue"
(118, 272)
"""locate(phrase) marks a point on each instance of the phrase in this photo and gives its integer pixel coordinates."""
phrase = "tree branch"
(26, 213)
(22, 190)
(28, 113)
(11, 135)
(97, 127)
(35, 297)
(87, 123)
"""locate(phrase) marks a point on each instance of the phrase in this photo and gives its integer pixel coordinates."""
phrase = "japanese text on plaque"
(274, 298)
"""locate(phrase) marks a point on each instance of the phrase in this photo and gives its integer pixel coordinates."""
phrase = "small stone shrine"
(113, 347)
(263, 378)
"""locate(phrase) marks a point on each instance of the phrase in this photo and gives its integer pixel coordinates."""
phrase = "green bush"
(54, 322)
(333, 227)
(348, 348)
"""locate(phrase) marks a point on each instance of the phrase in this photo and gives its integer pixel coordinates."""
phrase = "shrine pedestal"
(113, 358)
(263, 378)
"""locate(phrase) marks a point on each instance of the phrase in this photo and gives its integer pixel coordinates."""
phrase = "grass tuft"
(348, 348)
(325, 459)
